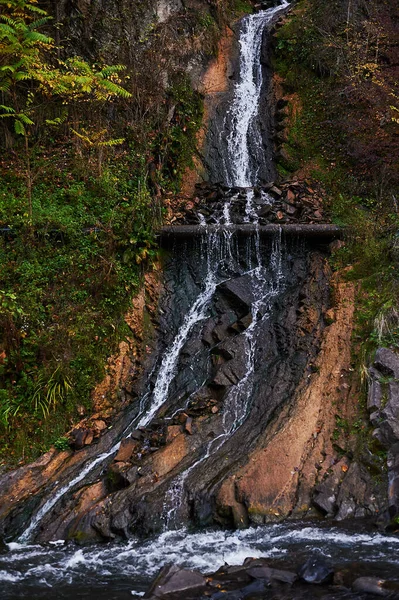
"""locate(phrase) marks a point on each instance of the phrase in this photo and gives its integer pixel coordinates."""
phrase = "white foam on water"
(138, 561)
(77, 559)
(339, 537)
(10, 577)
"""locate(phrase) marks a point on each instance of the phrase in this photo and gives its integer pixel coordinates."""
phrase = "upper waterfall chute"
(245, 151)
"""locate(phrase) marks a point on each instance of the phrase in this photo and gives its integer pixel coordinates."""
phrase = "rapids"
(118, 571)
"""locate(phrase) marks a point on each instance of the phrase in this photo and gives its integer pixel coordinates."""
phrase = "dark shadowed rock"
(375, 392)
(175, 580)
(136, 435)
(393, 481)
(325, 494)
(268, 573)
(357, 494)
(239, 293)
(251, 590)
(240, 516)
(120, 475)
(387, 362)
(80, 438)
(316, 570)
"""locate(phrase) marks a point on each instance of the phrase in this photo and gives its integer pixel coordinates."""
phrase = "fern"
(50, 391)
(7, 109)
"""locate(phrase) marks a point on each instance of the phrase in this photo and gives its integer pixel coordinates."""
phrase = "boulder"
(239, 292)
(232, 371)
(388, 429)
(375, 392)
(120, 475)
(370, 585)
(357, 494)
(126, 449)
(387, 362)
(79, 436)
(175, 580)
(252, 590)
(325, 494)
(188, 426)
(171, 432)
(259, 569)
(137, 435)
(316, 570)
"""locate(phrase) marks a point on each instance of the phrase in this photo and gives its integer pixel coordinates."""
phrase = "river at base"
(117, 571)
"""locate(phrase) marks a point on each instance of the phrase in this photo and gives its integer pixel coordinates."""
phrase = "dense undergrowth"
(82, 175)
(338, 62)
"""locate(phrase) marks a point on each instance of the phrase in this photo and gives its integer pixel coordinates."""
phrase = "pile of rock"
(289, 202)
(256, 578)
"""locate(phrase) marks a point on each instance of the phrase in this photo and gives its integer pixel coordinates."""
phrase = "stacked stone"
(289, 202)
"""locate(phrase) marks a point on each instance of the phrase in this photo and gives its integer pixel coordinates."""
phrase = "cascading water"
(244, 158)
(244, 151)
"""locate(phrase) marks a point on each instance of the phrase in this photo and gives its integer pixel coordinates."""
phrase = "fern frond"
(35, 36)
(110, 70)
(7, 109)
(110, 143)
(39, 23)
(25, 119)
(115, 89)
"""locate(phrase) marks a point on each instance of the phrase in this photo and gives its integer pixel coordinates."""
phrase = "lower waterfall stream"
(246, 282)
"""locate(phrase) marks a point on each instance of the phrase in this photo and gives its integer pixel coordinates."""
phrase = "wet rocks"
(316, 570)
(126, 449)
(288, 202)
(174, 580)
(80, 437)
(259, 578)
(378, 587)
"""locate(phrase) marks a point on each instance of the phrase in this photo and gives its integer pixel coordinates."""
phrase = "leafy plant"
(51, 391)
(61, 443)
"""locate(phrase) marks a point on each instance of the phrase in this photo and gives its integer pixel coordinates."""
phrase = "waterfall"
(245, 154)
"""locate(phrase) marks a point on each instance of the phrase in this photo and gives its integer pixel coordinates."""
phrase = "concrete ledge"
(325, 232)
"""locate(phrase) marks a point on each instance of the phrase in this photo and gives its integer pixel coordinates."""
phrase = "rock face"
(132, 486)
(383, 404)
(244, 432)
(206, 457)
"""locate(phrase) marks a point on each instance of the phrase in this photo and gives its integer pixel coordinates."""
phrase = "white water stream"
(245, 106)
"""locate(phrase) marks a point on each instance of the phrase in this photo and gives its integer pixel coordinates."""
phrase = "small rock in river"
(371, 585)
(315, 570)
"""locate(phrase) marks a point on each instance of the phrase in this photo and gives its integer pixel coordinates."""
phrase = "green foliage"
(50, 390)
(176, 146)
(61, 443)
(240, 7)
(64, 293)
(27, 59)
